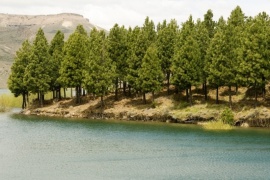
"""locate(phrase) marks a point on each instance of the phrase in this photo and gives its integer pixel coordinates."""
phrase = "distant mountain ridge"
(14, 29)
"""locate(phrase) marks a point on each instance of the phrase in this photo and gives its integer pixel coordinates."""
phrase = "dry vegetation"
(174, 107)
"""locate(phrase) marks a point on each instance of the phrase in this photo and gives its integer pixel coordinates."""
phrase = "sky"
(105, 13)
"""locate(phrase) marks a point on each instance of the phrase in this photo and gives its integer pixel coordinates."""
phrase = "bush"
(227, 116)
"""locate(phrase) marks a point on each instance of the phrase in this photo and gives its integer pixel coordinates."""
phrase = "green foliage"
(227, 116)
(56, 52)
(16, 83)
(75, 55)
(140, 40)
(255, 67)
(185, 69)
(150, 74)
(100, 70)
(166, 39)
(117, 49)
(37, 74)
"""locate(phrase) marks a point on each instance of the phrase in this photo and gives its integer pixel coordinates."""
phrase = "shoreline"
(165, 112)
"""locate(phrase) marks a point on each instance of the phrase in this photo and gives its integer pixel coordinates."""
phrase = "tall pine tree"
(100, 70)
(16, 83)
(73, 64)
(37, 75)
(150, 73)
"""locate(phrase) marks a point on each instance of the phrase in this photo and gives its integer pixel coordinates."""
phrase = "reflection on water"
(53, 148)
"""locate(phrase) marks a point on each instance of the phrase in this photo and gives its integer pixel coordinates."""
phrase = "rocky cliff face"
(14, 29)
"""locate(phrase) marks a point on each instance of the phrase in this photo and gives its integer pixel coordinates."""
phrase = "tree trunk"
(84, 92)
(116, 90)
(54, 93)
(230, 96)
(187, 96)
(256, 96)
(27, 98)
(168, 82)
(124, 87)
(41, 98)
(205, 90)
(190, 96)
(70, 92)
(78, 94)
(144, 98)
(153, 96)
(129, 90)
(65, 95)
(217, 101)
(102, 105)
(59, 93)
(236, 89)
(24, 101)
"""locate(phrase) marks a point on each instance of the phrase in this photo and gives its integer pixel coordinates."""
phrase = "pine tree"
(73, 64)
(216, 55)
(100, 70)
(234, 37)
(150, 73)
(16, 83)
(206, 33)
(132, 59)
(118, 52)
(165, 43)
(142, 38)
(185, 69)
(56, 52)
(203, 40)
(37, 74)
(254, 69)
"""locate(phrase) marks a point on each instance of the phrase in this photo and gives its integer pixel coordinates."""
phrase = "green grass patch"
(216, 125)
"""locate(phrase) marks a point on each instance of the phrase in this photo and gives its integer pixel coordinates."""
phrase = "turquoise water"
(51, 148)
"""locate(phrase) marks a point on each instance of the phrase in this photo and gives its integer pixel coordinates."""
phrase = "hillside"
(14, 29)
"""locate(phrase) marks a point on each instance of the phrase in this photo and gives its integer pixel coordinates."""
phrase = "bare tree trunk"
(24, 101)
(205, 91)
(116, 90)
(187, 95)
(217, 101)
(124, 87)
(168, 82)
(65, 94)
(144, 98)
(256, 96)
(190, 96)
(230, 96)
(54, 93)
(153, 96)
(129, 90)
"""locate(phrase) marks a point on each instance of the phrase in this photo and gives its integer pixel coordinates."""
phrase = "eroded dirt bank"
(165, 109)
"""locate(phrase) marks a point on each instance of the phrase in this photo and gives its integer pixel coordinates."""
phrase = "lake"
(54, 148)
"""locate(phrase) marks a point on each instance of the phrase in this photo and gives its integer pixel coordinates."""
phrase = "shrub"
(227, 116)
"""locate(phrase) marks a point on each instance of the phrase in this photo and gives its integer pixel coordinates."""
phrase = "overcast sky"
(105, 13)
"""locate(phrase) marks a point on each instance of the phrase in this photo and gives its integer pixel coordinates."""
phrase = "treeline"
(233, 52)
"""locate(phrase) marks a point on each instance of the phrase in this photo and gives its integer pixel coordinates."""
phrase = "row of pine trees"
(233, 52)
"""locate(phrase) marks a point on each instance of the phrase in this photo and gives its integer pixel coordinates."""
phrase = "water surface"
(54, 148)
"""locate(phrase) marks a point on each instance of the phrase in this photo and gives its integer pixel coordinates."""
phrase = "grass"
(8, 101)
(216, 125)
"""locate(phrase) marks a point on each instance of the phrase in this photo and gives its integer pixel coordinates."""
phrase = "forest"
(202, 53)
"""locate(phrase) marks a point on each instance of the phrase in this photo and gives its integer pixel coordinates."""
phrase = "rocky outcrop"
(14, 29)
